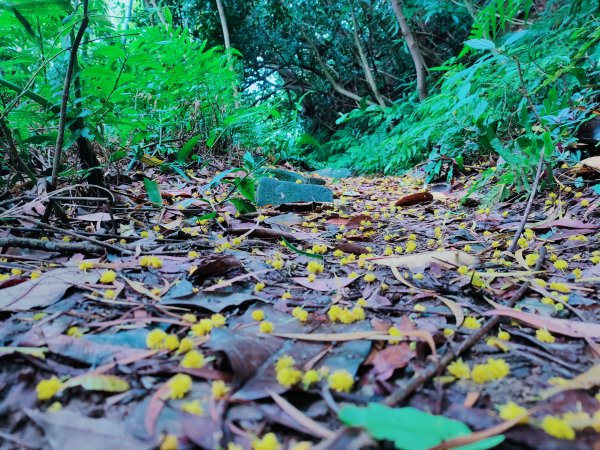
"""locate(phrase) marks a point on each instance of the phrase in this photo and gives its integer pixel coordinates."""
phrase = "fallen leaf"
(415, 199)
(586, 380)
(46, 290)
(93, 382)
(561, 326)
(70, 430)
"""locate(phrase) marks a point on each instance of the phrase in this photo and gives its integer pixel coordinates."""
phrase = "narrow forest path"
(221, 330)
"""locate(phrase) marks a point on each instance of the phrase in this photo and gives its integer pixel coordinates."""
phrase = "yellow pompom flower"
(151, 261)
(314, 267)
(459, 369)
(511, 410)
(258, 315)
(558, 428)
(179, 385)
(219, 389)
(300, 314)
(156, 339)
(171, 342)
(543, 335)
(218, 320)
(202, 328)
(560, 287)
(46, 389)
(185, 345)
(370, 277)
(561, 264)
(259, 286)
(170, 440)
(288, 376)
(193, 407)
(340, 381)
(267, 442)
(266, 327)
(193, 360)
(471, 323)
(504, 335)
(85, 265)
(284, 362)
(310, 377)
(108, 277)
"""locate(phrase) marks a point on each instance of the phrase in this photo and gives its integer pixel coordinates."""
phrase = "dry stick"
(38, 244)
(420, 378)
(82, 237)
(540, 166)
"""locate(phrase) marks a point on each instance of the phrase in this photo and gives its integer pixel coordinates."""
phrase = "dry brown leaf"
(415, 199)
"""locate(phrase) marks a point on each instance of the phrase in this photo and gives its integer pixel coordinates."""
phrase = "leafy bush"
(480, 103)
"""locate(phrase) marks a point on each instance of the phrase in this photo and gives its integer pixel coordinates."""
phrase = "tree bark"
(227, 42)
(364, 63)
(413, 48)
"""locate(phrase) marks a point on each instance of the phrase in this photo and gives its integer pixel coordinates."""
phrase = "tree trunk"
(227, 42)
(365, 64)
(413, 48)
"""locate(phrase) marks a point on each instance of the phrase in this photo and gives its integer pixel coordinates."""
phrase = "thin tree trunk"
(65, 95)
(413, 48)
(364, 63)
(227, 42)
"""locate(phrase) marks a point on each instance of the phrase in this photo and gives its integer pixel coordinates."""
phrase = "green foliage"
(479, 105)
(410, 428)
(137, 92)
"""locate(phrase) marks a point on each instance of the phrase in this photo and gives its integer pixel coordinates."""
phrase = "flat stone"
(275, 192)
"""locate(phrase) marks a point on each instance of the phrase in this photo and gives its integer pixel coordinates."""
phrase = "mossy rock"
(276, 192)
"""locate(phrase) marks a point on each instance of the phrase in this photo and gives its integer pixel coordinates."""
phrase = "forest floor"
(145, 327)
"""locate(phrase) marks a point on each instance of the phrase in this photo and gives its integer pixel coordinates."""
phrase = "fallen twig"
(51, 246)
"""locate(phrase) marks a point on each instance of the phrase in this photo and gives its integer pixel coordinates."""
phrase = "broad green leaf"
(186, 149)
(410, 428)
(153, 191)
(242, 205)
(105, 383)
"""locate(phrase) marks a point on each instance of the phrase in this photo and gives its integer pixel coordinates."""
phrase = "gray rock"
(275, 192)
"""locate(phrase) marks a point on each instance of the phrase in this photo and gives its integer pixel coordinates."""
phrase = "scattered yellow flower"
(266, 327)
(185, 345)
(156, 339)
(341, 381)
(259, 286)
(288, 376)
(258, 315)
(193, 407)
(267, 442)
(543, 335)
(193, 360)
(300, 314)
(169, 443)
(471, 323)
(511, 410)
(85, 265)
(314, 267)
(459, 369)
(151, 261)
(558, 428)
(202, 328)
(561, 264)
(179, 385)
(219, 389)
(46, 389)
